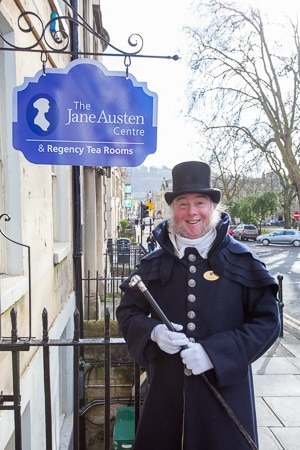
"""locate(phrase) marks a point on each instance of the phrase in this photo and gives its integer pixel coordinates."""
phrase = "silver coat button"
(187, 372)
(191, 326)
(192, 257)
(191, 298)
(191, 314)
(192, 269)
(192, 282)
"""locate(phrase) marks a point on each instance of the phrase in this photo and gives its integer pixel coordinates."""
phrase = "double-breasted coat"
(227, 303)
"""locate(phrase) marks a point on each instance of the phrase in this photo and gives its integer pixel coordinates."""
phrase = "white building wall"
(39, 200)
(39, 203)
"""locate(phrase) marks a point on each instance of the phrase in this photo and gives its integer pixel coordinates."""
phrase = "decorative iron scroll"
(54, 37)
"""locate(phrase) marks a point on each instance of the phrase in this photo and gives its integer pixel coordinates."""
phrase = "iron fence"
(12, 402)
(102, 290)
(102, 295)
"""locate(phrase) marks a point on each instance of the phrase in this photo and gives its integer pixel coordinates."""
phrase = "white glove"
(169, 341)
(196, 359)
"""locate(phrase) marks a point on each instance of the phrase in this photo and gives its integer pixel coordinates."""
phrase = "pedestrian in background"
(151, 243)
(222, 302)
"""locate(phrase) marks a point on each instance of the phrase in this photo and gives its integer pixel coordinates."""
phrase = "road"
(285, 261)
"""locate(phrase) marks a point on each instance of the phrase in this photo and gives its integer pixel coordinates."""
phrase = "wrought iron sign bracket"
(54, 37)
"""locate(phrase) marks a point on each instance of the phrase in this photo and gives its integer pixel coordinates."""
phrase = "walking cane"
(137, 281)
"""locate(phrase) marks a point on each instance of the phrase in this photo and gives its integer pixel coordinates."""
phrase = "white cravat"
(202, 244)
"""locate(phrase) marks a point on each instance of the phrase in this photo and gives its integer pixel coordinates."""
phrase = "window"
(61, 201)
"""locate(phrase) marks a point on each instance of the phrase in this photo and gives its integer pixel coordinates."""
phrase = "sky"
(160, 23)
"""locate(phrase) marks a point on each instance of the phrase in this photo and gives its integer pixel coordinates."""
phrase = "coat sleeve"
(134, 315)
(136, 325)
(234, 350)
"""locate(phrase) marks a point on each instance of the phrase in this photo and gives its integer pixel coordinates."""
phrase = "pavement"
(277, 391)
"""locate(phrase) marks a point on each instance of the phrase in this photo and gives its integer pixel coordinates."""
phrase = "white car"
(281, 236)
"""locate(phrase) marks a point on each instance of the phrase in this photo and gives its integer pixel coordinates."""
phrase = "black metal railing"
(103, 290)
(16, 345)
(280, 302)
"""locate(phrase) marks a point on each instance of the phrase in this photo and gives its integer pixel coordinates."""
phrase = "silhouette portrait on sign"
(42, 105)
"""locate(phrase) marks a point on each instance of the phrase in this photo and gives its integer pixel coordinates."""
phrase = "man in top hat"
(222, 303)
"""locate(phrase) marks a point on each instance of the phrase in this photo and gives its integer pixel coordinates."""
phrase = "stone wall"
(121, 382)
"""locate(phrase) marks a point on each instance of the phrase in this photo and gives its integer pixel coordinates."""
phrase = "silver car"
(282, 236)
(245, 232)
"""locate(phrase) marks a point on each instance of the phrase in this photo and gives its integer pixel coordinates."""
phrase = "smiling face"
(192, 215)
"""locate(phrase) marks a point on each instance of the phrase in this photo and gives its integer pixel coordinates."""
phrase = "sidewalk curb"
(291, 322)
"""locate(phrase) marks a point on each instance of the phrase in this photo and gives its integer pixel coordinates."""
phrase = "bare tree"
(246, 79)
(231, 164)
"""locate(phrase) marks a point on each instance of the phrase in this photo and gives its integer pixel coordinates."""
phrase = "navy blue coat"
(234, 315)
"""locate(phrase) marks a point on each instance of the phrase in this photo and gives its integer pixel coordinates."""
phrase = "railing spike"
(45, 325)
(14, 328)
(76, 325)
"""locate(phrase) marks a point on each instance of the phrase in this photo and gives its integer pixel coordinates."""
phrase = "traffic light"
(144, 211)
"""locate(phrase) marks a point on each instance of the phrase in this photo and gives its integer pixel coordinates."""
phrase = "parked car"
(245, 232)
(282, 236)
(272, 223)
(230, 229)
(276, 223)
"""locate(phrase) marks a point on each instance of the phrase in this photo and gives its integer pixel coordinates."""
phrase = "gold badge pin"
(210, 276)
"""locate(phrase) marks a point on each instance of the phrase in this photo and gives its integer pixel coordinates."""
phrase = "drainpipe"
(78, 423)
(77, 243)
(77, 231)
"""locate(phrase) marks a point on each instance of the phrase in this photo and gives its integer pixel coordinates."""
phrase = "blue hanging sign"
(84, 115)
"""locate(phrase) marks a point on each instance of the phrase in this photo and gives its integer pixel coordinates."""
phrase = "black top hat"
(192, 177)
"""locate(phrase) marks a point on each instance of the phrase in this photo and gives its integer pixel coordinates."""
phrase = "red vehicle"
(230, 229)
